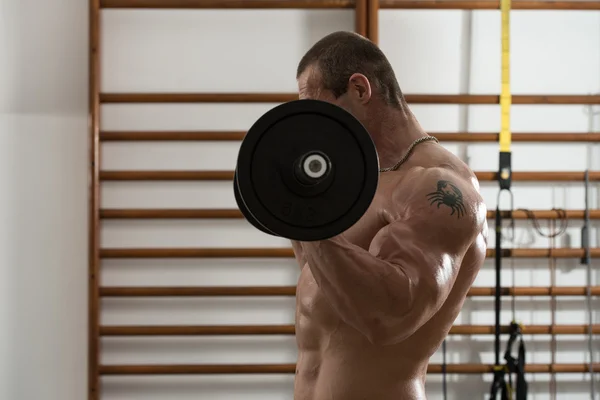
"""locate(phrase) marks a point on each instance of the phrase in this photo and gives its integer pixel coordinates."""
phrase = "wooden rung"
(285, 97)
(545, 214)
(542, 176)
(526, 329)
(518, 137)
(291, 368)
(202, 291)
(234, 213)
(269, 291)
(535, 291)
(545, 253)
(195, 369)
(197, 330)
(529, 368)
(228, 4)
(483, 176)
(288, 252)
(159, 136)
(290, 330)
(198, 253)
(324, 4)
(108, 98)
(489, 5)
(166, 175)
(170, 213)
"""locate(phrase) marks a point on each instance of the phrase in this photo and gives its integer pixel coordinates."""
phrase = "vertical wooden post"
(94, 199)
(361, 17)
(373, 21)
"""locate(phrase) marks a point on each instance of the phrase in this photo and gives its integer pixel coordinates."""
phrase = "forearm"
(369, 293)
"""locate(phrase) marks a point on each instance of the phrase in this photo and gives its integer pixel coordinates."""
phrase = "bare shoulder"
(444, 203)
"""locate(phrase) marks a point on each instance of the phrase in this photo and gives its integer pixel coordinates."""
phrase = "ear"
(360, 88)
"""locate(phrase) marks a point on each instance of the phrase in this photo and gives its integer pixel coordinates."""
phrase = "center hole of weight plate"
(312, 167)
(315, 166)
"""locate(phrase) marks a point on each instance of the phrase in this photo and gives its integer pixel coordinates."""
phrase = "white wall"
(43, 200)
(226, 51)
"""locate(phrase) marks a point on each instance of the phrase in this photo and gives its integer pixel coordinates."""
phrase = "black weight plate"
(266, 166)
(244, 209)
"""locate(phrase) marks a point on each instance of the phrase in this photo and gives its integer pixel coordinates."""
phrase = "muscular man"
(374, 303)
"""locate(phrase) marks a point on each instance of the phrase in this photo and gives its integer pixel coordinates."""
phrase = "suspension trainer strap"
(497, 293)
(504, 177)
(516, 365)
(444, 372)
(498, 382)
(522, 385)
(505, 168)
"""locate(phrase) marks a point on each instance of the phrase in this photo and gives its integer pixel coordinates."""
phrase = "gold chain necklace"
(410, 149)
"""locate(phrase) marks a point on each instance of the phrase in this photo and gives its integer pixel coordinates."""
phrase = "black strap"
(506, 392)
(512, 365)
(503, 374)
(444, 368)
(516, 365)
(497, 293)
(499, 384)
(521, 382)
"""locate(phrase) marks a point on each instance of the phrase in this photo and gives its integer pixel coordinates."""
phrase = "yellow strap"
(505, 96)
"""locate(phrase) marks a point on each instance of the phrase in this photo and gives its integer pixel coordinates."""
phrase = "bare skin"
(376, 302)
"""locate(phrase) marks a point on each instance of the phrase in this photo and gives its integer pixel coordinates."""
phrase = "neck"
(393, 131)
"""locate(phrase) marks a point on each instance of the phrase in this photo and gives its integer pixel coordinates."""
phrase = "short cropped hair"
(341, 54)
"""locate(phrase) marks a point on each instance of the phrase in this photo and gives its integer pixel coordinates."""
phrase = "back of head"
(340, 54)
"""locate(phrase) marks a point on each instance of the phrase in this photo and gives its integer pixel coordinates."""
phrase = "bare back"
(337, 361)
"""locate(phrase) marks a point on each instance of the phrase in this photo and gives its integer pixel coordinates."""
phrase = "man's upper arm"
(439, 217)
